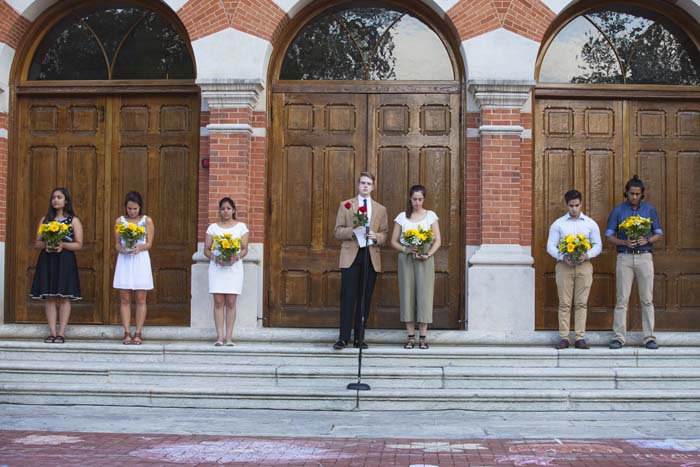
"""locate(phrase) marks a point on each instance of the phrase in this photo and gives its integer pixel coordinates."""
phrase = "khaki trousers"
(628, 267)
(573, 287)
(416, 288)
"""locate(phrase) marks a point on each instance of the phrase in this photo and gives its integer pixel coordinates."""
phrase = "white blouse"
(425, 223)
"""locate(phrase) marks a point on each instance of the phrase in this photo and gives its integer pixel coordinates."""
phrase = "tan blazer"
(343, 231)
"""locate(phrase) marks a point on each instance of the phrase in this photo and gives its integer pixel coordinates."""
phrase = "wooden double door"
(101, 147)
(595, 146)
(321, 142)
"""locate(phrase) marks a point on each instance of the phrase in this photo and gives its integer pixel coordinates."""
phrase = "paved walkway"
(31, 448)
(85, 436)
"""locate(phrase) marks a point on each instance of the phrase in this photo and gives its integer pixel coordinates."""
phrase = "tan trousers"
(573, 287)
(628, 267)
(416, 288)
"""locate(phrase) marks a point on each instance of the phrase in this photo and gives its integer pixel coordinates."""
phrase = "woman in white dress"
(416, 270)
(133, 271)
(226, 278)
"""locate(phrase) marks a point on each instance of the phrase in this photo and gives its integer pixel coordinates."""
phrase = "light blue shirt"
(567, 225)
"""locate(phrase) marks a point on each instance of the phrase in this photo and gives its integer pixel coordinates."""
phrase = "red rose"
(362, 209)
(348, 205)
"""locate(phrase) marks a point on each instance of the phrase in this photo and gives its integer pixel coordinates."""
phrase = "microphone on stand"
(360, 386)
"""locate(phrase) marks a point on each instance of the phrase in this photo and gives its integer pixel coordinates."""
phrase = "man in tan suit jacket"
(352, 259)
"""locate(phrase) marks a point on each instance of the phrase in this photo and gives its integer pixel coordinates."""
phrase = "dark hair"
(414, 189)
(634, 182)
(229, 201)
(67, 208)
(571, 195)
(134, 197)
(368, 175)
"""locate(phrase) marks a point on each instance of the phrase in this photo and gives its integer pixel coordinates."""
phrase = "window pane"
(580, 54)
(153, 50)
(323, 50)
(637, 45)
(69, 51)
(410, 50)
(366, 43)
(138, 44)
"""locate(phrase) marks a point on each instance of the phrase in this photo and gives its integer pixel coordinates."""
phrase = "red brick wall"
(262, 18)
(502, 188)
(3, 178)
(529, 18)
(472, 183)
(13, 26)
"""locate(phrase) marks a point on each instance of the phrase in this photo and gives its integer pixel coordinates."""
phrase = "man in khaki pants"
(634, 259)
(574, 278)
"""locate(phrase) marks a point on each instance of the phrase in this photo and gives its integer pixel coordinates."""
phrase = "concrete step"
(340, 399)
(332, 377)
(262, 354)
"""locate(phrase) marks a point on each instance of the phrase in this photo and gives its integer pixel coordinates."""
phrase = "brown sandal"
(411, 342)
(127, 338)
(137, 339)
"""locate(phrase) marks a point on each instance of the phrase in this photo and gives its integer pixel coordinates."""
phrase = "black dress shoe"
(356, 344)
(340, 344)
(651, 345)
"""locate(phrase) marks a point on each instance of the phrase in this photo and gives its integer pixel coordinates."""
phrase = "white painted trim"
(231, 93)
(3, 133)
(473, 133)
(260, 132)
(230, 128)
(507, 130)
(527, 134)
(203, 131)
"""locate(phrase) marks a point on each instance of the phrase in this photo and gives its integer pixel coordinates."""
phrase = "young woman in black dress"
(56, 278)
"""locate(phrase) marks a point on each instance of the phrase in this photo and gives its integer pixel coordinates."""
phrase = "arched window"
(621, 44)
(119, 42)
(366, 43)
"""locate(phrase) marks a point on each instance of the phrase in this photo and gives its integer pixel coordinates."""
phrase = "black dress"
(57, 273)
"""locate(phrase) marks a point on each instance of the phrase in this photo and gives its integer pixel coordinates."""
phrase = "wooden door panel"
(154, 151)
(319, 149)
(61, 143)
(578, 145)
(665, 153)
(414, 139)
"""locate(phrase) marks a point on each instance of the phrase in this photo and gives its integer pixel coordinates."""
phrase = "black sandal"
(422, 344)
(50, 340)
(59, 340)
(411, 342)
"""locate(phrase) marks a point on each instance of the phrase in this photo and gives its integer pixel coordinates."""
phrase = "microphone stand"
(360, 386)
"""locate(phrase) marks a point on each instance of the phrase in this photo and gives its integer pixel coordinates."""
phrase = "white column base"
(249, 304)
(501, 290)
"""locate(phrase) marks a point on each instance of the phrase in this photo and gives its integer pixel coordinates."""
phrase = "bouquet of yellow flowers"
(635, 227)
(53, 233)
(418, 238)
(575, 246)
(225, 246)
(130, 233)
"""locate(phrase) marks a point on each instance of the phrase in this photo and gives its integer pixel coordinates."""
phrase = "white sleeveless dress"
(133, 271)
(226, 279)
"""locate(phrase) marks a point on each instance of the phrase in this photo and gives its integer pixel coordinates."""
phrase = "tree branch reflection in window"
(621, 44)
(115, 43)
(366, 43)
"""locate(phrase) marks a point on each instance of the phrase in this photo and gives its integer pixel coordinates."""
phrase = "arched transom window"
(366, 43)
(621, 44)
(121, 41)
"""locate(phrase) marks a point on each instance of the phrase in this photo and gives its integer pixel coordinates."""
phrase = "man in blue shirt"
(574, 276)
(634, 259)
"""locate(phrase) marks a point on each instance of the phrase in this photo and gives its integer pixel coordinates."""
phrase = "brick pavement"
(38, 448)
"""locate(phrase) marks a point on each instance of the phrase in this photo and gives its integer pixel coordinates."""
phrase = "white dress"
(133, 270)
(226, 279)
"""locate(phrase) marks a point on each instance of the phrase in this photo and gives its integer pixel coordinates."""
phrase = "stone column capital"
(231, 93)
(500, 94)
